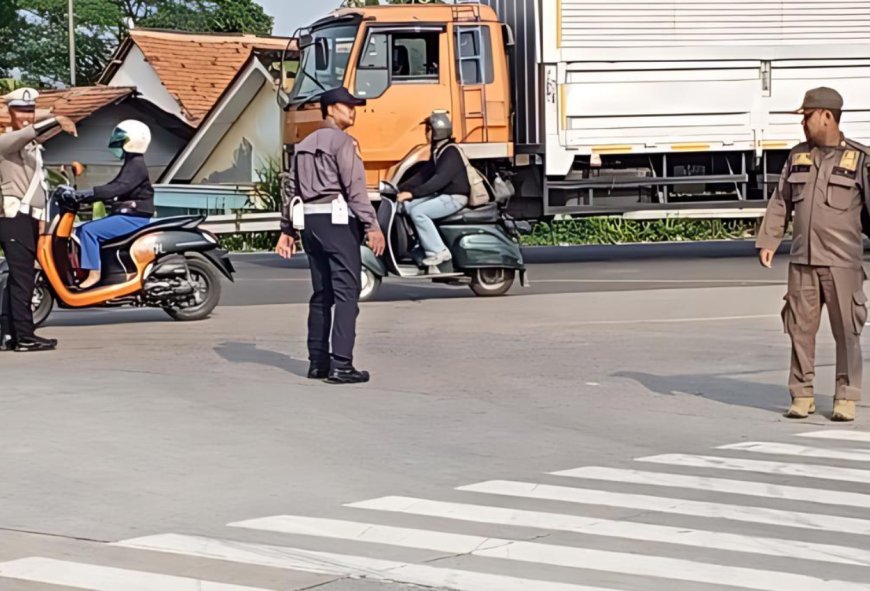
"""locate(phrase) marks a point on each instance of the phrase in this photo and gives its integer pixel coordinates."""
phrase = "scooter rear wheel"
(492, 282)
(370, 284)
(208, 283)
(43, 301)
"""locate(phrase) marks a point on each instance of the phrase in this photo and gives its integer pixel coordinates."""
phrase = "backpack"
(479, 194)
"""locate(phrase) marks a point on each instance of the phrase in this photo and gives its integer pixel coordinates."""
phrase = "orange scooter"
(170, 264)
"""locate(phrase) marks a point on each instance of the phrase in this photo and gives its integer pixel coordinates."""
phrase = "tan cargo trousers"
(841, 290)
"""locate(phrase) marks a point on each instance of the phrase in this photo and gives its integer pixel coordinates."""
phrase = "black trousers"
(18, 239)
(336, 269)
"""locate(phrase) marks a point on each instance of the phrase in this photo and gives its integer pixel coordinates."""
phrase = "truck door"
(403, 73)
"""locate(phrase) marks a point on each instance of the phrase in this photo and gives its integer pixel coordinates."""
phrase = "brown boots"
(801, 408)
(844, 411)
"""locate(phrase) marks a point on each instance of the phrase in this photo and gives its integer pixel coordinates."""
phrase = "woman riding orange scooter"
(129, 196)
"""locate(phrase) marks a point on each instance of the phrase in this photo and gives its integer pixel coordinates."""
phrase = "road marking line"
(618, 529)
(369, 532)
(787, 449)
(548, 554)
(778, 517)
(674, 281)
(104, 578)
(342, 565)
(722, 485)
(861, 436)
(674, 320)
(765, 467)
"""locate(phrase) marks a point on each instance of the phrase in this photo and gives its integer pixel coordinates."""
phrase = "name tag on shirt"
(340, 216)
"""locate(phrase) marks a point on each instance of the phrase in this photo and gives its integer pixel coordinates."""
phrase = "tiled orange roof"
(196, 69)
(75, 103)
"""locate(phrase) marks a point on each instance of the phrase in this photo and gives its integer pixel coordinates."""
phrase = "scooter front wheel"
(42, 302)
(492, 282)
(370, 283)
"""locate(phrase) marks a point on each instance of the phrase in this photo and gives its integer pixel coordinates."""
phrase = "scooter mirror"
(388, 189)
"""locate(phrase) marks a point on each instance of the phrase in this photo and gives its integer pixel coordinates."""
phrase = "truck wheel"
(492, 282)
(370, 285)
(43, 300)
(207, 283)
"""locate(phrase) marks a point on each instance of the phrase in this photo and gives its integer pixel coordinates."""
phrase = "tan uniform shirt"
(825, 190)
(326, 164)
(19, 162)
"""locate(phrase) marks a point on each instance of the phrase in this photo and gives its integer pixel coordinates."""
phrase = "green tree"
(38, 43)
(9, 22)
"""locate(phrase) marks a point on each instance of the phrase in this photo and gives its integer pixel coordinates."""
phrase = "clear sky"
(292, 14)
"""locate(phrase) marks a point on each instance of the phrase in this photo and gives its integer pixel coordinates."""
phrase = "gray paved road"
(266, 279)
(203, 450)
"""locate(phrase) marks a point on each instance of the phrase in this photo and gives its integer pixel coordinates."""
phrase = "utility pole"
(72, 45)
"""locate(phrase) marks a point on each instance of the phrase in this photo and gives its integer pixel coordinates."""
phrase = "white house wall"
(259, 127)
(136, 71)
(91, 145)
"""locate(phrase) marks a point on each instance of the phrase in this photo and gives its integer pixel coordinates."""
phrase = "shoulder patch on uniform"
(849, 160)
(802, 159)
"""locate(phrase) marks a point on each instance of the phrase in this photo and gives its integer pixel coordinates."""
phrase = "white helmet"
(130, 136)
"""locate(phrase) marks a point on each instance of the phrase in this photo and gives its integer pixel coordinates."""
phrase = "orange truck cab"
(407, 61)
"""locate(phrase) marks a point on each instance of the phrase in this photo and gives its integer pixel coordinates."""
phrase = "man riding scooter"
(439, 190)
(130, 197)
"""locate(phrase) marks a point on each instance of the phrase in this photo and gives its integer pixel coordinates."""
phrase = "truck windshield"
(316, 76)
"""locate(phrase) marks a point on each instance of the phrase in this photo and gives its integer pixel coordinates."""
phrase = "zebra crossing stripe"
(765, 467)
(567, 494)
(838, 434)
(619, 529)
(720, 485)
(548, 554)
(788, 449)
(345, 565)
(104, 578)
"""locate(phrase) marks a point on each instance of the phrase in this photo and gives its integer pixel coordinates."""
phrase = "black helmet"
(441, 125)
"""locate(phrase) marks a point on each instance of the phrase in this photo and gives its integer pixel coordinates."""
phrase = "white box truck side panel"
(650, 76)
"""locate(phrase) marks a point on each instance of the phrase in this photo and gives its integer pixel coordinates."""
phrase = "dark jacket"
(129, 193)
(443, 174)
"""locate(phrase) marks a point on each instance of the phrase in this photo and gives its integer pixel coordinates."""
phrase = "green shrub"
(617, 230)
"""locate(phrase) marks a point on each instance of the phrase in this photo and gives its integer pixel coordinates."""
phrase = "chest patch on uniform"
(802, 159)
(849, 160)
(845, 172)
(800, 168)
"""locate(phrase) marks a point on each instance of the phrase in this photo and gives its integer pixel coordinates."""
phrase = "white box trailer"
(628, 104)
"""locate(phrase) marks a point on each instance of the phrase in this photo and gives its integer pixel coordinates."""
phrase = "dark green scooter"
(484, 242)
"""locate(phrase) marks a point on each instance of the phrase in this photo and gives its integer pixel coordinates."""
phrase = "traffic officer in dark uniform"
(22, 185)
(825, 185)
(325, 196)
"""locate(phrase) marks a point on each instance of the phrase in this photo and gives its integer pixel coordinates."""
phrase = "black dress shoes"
(347, 376)
(318, 373)
(35, 343)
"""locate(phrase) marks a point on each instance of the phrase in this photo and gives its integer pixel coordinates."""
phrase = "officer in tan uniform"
(823, 186)
(24, 200)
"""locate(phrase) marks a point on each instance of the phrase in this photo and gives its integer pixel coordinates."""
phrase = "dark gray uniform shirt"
(326, 164)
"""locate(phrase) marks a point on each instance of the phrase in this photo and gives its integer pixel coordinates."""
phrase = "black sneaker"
(7, 343)
(347, 376)
(318, 373)
(34, 343)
